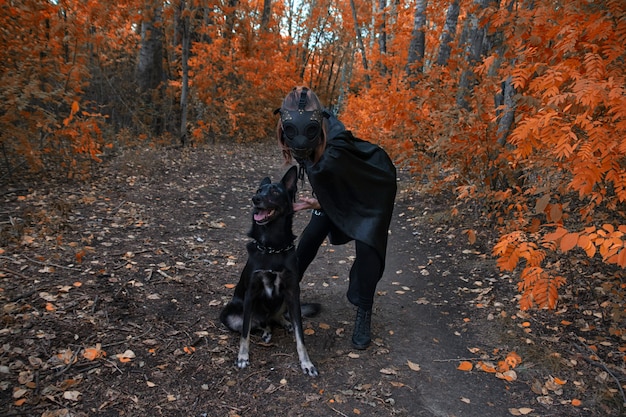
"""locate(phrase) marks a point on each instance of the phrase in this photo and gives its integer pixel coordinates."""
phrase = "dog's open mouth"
(263, 216)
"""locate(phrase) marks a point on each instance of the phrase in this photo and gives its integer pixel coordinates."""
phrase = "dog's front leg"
(296, 321)
(243, 358)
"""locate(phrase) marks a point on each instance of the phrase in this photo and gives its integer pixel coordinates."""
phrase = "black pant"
(366, 270)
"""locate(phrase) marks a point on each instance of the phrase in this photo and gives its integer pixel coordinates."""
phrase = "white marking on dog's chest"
(271, 286)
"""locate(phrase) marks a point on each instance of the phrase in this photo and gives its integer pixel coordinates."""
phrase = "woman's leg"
(365, 273)
(311, 240)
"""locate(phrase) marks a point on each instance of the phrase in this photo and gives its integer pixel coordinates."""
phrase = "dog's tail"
(232, 316)
(310, 309)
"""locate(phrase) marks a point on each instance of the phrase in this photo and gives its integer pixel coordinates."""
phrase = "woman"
(354, 188)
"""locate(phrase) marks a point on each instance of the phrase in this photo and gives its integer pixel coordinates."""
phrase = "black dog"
(269, 285)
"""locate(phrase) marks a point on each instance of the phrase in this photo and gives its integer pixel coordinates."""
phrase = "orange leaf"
(542, 203)
(569, 241)
(465, 366)
(560, 381)
(93, 353)
(487, 367)
(513, 359)
(556, 235)
(576, 402)
(471, 236)
(230, 286)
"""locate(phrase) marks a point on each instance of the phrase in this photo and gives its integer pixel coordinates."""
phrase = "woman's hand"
(307, 203)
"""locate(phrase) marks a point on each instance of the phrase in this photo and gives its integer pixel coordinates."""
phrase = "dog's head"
(275, 199)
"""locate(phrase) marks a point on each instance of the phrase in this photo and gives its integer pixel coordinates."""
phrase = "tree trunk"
(150, 74)
(265, 17)
(477, 46)
(449, 31)
(150, 66)
(185, 46)
(415, 62)
(382, 35)
(360, 43)
(507, 114)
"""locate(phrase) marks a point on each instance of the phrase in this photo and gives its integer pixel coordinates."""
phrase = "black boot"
(361, 338)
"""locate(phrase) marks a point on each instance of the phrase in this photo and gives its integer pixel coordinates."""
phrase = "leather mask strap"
(302, 101)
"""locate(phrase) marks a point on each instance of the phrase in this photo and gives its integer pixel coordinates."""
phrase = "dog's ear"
(290, 181)
(265, 181)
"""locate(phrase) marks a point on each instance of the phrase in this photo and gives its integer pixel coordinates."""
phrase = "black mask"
(302, 132)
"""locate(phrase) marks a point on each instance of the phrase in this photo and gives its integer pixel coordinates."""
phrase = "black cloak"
(355, 184)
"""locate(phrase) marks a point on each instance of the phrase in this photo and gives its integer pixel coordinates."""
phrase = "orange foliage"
(553, 181)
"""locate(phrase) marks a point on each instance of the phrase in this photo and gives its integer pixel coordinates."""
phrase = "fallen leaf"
(509, 375)
(230, 286)
(488, 367)
(413, 366)
(309, 332)
(576, 402)
(324, 326)
(19, 393)
(520, 411)
(127, 356)
(471, 236)
(72, 395)
(545, 400)
(466, 400)
(388, 371)
(513, 359)
(465, 366)
(94, 353)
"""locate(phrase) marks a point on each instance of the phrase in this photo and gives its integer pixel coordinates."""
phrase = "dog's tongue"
(262, 215)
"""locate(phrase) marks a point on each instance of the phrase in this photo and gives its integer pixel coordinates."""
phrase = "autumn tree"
(518, 105)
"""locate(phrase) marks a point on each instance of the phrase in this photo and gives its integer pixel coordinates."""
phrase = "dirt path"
(138, 264)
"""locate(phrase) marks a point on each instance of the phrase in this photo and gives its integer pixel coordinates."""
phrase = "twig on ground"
(121, 342)
(464, 359)
(17, 274)
(51, 264)
(337, 411)
(603, 366)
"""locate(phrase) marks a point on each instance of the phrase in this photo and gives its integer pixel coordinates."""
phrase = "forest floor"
(111, 290)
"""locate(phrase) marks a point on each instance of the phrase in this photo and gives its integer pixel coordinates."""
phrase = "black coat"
(355, 183)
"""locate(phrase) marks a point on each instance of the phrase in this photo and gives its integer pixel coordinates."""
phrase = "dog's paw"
(288, 326)
(242, 363)
(309, 369)
(267, 336)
